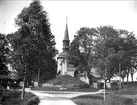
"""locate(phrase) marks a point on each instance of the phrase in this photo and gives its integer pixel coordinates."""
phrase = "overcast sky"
(120, 14)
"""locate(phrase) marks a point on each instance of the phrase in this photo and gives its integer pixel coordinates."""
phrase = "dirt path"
(63, 94)
(56, 102)
(59, 98)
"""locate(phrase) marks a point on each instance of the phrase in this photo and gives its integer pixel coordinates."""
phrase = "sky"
(121, 14)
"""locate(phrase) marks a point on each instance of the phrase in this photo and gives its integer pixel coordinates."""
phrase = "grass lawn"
(13, 98)
(66, 83)
(111, 99)
(126, 90)
(69, 83)
(127, 96)
(90, 89)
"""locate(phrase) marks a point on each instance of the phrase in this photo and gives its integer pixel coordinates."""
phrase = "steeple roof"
(66, 36)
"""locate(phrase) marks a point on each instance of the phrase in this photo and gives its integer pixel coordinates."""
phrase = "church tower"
(62, 58)
(64, 68)
(66, 39)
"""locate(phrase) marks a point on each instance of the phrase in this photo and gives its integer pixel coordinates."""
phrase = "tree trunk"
(104, 90)
(122, 80)
(119, 78)
(132, 77)
(1, 92)
(38, 76)
(109, 80)
(127, 76)
(23, 89)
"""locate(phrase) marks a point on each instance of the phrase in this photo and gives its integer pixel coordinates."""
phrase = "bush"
(13, 98)
(32, 101)
(28, 95)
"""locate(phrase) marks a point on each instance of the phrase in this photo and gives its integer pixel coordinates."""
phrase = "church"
(64, 68)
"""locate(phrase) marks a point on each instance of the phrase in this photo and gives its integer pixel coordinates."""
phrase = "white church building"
(64, 68)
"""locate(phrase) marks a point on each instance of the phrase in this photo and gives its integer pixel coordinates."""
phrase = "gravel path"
(63, 98)
(63, 94)
(56, 102)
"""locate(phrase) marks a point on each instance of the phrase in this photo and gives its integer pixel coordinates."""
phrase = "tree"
(110, 50)
(33, 44)
(132, 71)
(74, 54)
(130, 48)
(81, 49)
(105, 50)
(114, 48)
(123, 75)
(4, 50)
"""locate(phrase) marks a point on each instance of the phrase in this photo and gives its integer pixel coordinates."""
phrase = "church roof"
(63, 54)
(66, 37)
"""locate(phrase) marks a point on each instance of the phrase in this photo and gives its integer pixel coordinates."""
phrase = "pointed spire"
(66, 37)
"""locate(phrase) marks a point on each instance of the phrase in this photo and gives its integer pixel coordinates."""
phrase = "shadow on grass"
(111, 99)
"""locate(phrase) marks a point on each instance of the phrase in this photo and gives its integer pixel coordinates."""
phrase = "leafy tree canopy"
(33, 44)
(4, 51)
(104, 48)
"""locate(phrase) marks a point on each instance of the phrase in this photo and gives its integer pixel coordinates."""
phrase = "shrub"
(28, 95)
(32, 101)
(13, 98)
